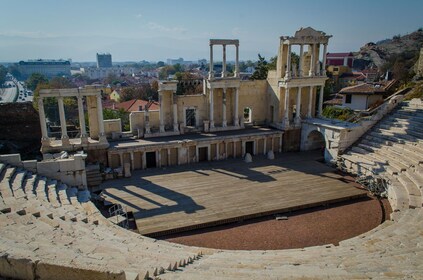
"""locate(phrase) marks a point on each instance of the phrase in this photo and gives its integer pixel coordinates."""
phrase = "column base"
(45, 141)
(309, 116)
(211, 124)
(236, 122)
(162, 129)
(84, 139)
(297, 122)
(285, 123)
(224, 124)
(102, 139)
(65, 141)
(175, 128)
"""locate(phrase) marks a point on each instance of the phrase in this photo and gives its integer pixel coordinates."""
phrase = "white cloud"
(139, 15)
(161, 28)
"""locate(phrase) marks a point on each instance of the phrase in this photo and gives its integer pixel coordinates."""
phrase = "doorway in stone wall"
(249, 147)
(190, 117)
(151, 159)
(203, 154)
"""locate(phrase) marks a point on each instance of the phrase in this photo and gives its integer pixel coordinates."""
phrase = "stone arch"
(315, 141)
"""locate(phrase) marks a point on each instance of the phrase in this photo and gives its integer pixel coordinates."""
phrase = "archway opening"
(248, 115)
(315, 141)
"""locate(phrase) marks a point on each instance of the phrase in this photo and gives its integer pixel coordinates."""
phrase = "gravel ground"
(316, 226)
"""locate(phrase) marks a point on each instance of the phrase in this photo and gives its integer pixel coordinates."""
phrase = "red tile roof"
(137, 104)
(367, 88)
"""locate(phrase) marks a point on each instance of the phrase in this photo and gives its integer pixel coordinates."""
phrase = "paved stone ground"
(317, 226)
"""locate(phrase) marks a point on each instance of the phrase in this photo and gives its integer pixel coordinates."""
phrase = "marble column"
(310, 102)
(237, 61)
(175, 113)
(84, 138)
(211, 117)
(131, 154)
(311, 72)
(44, 132)
(264, 145)
(161, 115)
(168, 157)
(286, 115)
(324, 59)
(298, 108)
(147, 120)
(236, 119)
(320, 112)
(224, 62)
(211, 73)
(300, 67)
(288, 63)
(101, 135)
(65, 137)
(224, 122)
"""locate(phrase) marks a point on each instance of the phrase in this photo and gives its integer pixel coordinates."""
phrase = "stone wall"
(112, 126)
(70, 170)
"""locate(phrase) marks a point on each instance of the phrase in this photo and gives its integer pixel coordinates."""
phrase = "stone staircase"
(48, 228)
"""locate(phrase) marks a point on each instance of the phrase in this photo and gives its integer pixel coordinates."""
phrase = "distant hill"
(379, 53)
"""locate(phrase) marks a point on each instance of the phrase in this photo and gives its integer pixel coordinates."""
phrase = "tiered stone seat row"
(48, 228)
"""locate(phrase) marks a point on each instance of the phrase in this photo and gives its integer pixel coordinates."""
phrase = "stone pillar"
(196, 155)
(147, 120)
(286, 115)
(311, 72)
(144, 160)
(288, 63)
(217, 151)
(234, 149)
(236, 119)
(168, 157)
(324, 59)
(310, 102)
(300, 67)
(175, 113)
(321, 101)
(211, 73)
(298, 108)
(132, 160)
(237, 61)
(226, 150)
(44, 132)
(65, 137)
(224, 122)
(84, 138)
(224, 62)
(264, 145)
(101, 135)
(161, 115)
(211, 117)
(159, 158)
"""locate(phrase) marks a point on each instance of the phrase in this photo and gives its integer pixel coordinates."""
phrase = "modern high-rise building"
(104, 60)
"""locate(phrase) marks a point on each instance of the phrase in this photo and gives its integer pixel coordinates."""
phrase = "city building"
(46, 67)
(104, 60)
(362, 96)
(338, 59)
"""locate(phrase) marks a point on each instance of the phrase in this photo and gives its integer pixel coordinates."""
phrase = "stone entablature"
(96, 139)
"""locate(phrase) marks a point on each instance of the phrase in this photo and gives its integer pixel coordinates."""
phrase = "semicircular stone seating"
(49, 230)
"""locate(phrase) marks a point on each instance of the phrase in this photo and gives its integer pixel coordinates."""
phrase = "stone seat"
(414, 194)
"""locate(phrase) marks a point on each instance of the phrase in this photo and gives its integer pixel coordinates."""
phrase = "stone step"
(5, 188)
(63, 197)
(40, 189)
(17, 183)
(28, 186)
(414, 194)
(52, 193)
(397, 194)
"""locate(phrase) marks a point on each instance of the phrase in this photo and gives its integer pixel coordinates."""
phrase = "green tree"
(272, 63)
(3, 72)
(261, 69)
(35, 79)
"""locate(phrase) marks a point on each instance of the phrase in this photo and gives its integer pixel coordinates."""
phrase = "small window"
(348, 99)
(335, 69)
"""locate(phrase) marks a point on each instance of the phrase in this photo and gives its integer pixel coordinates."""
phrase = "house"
(115, 95)
(363, 96)
(137, 105)
(340, 59)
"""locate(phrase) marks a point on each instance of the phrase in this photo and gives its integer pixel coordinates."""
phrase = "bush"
(342, 114)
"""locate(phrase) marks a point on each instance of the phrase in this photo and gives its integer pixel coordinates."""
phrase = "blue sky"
(160, 29)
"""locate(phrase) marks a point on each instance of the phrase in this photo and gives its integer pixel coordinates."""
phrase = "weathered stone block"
(48, 167)
(16, 268)
(13, 159)
(30, 165)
